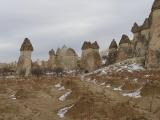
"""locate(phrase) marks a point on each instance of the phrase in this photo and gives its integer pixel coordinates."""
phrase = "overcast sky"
(53, 23)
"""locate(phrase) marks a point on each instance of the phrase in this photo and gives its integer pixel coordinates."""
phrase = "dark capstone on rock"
(26, 46)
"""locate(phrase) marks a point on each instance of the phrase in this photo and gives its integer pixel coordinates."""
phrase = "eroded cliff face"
(153, 57)
(140, 46)
(145, 43)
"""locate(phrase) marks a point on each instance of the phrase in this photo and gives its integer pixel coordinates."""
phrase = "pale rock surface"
(24, 62)
(90, 58)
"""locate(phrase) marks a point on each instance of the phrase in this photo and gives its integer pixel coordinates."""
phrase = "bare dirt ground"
(92, 97)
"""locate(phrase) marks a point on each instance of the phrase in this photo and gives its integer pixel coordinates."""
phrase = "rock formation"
(24, 63)
(141, 46)
(124, 49)
(52, 59)
(90, 58)
(145, 46)
(146, 41)
(58, 51)
(65, 58)
(112, 53)
(153, 58)
(70, 59)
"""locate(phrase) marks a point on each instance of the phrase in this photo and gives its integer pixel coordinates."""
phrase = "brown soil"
(37, 98)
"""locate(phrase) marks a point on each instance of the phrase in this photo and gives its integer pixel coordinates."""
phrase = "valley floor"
(102, 95)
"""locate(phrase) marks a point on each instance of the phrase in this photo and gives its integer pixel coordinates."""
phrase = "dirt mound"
(83, 107)
(122, 110)
(150, 88)
(2, 90)
(22, 94)
(69, 84)
(129, 85)
(90, 106)
(36, 87)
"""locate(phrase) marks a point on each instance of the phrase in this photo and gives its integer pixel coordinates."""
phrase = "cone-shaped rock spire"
(124, 39)
(26, 45)
(113, 44)
(51, 52)
(86, 45)
(95, 45)
(135, 28)
(58, 51)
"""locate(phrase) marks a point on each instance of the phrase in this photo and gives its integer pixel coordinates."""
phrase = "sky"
(53, 23)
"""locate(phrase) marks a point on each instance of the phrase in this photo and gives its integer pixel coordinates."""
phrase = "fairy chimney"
(136, 31)
(51, 60)
(58, 51)
(124, 42)
(24, 62)
(67, 58)
(113, 45)
(70, 59)
(125, 49)
(95, 46)
(112, 53)
(90, 58)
